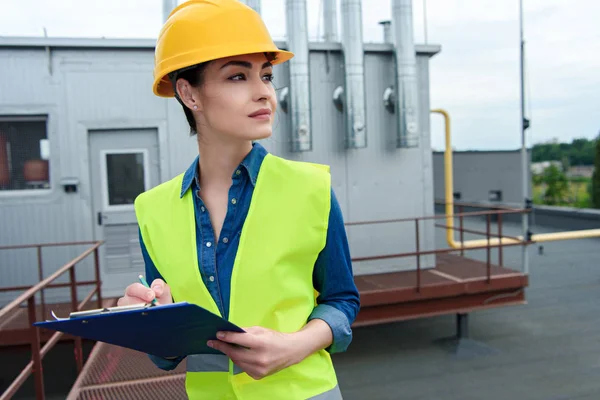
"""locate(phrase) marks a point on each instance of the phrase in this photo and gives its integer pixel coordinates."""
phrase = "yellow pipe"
(449, 191)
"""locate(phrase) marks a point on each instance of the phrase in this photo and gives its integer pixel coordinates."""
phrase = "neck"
(218, 161)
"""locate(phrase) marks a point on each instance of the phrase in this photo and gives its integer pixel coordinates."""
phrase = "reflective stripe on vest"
(207, 363)
(220, 363)
(271, 283)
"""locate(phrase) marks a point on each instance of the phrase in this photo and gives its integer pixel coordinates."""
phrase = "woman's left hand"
(259, 351)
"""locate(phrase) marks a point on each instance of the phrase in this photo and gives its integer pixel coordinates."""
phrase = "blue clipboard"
(167, 330)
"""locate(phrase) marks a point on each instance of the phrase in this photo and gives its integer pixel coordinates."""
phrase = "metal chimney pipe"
(354, 92)
(330, 20)
(168, 6)
(387, 31)
(254, 4)
(407, 95)
(299, 94)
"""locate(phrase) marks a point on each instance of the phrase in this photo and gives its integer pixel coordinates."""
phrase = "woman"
(249, 236)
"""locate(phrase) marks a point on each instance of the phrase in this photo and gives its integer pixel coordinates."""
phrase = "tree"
(595, 193)
(557, 185)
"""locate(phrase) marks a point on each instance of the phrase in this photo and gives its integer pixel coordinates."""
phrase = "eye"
(268, 77)
(238, 77)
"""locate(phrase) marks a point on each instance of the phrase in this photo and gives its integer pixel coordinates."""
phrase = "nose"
(261, 90)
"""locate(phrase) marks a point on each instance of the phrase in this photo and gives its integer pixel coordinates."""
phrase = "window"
(495, 195)
(24, 153)
(126, 177)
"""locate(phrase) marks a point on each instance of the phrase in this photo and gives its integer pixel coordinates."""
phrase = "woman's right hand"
(137, 293)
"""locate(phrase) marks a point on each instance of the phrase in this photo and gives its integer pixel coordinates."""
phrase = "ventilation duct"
(387, 31)
(168, 6)
(330, 20)
(407, 99)
(299, 92)
(354, 91)
(254, 4)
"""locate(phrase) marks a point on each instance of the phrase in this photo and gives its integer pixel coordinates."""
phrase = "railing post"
(41, 278)
(418, 254)
(38, 373)
(97, 271)
(74, 305)
(462, 232)
(500, 239)
(487, 232)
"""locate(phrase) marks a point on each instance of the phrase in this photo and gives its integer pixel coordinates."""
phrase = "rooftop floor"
(548, 349)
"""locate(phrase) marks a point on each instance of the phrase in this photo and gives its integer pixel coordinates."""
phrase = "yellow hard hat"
(203, 30)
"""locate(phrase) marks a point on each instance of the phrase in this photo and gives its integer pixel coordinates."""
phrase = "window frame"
(104, 176)
(37, 117)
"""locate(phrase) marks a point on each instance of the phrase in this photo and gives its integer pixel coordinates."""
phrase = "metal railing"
(37, 352)
(488, 244)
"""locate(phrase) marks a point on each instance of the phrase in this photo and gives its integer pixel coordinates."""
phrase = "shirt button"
(211, 278)
(238, 172)
(233, 201)
(202, 208)
(208, 244)
(225, 240)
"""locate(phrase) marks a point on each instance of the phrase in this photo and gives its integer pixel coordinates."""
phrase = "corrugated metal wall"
(110, 88)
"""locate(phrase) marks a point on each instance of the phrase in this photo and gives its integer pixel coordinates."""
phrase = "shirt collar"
(251, 164)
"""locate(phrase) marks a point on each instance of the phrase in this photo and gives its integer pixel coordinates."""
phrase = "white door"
(124, 163)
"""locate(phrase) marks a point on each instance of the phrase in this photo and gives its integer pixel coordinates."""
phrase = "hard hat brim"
(163, 87)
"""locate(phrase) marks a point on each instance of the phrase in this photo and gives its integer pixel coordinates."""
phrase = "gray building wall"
(476, 173)
(84, 85)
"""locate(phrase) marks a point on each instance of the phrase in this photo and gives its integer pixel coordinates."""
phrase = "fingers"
(136, 293)
(236, 353)
(162, 291)
(158, 285)
(140, 292)
(243, 339)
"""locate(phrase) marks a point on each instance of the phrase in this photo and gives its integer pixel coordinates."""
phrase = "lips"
(262, 112)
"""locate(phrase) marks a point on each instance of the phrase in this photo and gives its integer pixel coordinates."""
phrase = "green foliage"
(595, 184)
(557, 186)
(579, 152)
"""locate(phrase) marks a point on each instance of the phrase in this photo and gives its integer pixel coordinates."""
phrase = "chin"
(258, 135)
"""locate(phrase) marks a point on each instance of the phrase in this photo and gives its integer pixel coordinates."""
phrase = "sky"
(475, 77)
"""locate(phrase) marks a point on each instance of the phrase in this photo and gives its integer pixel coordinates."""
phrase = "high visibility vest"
(271, 283)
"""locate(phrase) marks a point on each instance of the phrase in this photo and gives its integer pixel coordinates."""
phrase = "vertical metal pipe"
(254, 4)
(38, 373)
(462, 232)
(500, 242)
(78, 350)
(168, 6)
(387, 31)
(98, 281)
(418, 254)
(407, 96)
(524, 158)
(297, 32)
(488, 248)
(354, 92)
(41, 278)
(330, 21)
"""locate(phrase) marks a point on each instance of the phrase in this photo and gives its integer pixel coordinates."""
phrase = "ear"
(188, 95)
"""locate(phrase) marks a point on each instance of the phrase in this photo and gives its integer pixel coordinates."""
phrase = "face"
(236, 100)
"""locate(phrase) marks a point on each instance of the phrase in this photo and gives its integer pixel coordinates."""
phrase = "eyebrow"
(246, 64)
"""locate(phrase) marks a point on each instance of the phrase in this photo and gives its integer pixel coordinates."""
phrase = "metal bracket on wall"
(389, 99)
(48, 54)
(338, 98)
(283, 99)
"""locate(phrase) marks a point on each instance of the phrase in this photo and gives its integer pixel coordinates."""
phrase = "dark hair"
(195, 76)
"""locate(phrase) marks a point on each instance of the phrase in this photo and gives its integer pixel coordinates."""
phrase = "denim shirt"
(338, 301)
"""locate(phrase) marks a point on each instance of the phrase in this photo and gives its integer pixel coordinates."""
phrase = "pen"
(143, 282)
